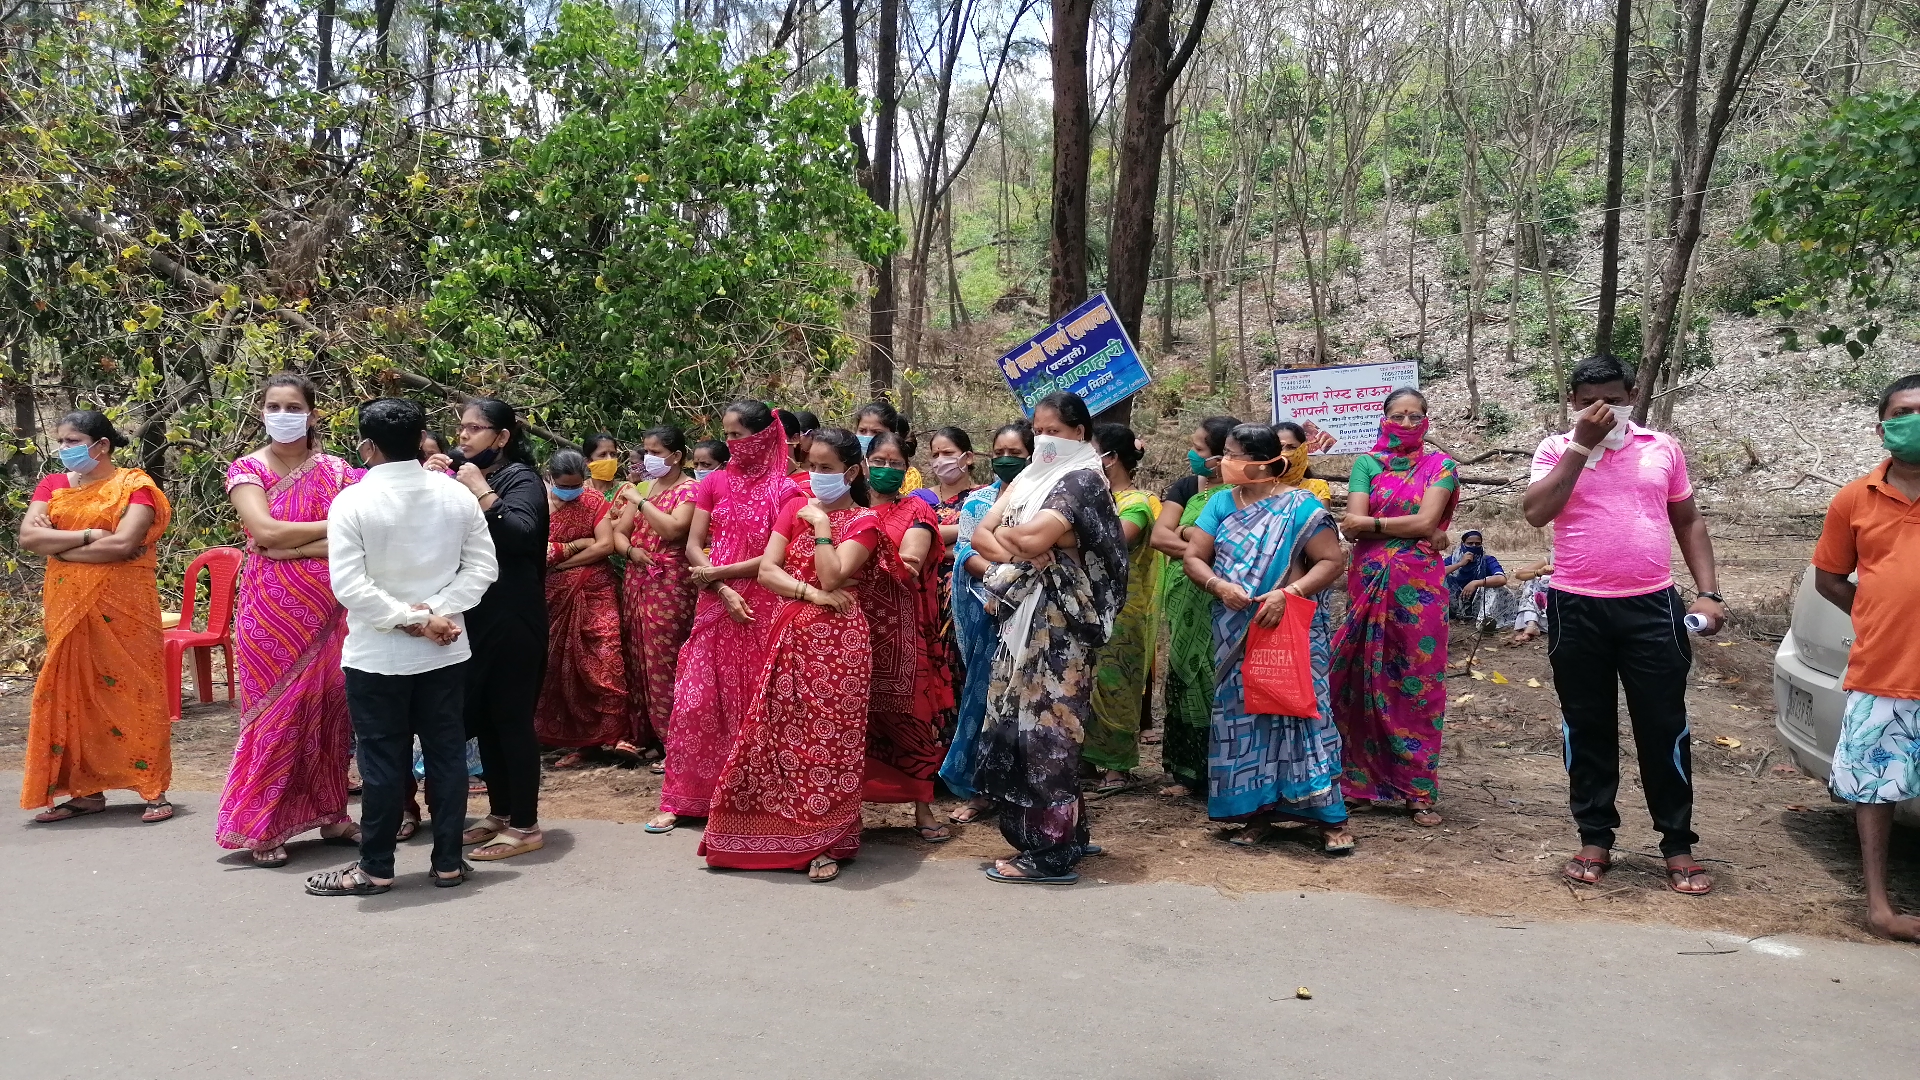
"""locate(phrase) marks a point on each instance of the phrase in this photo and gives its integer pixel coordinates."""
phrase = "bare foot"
(1893, 926)
(1176, 791)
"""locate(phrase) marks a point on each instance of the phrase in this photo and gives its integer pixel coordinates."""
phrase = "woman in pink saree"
(289, 769)
(723, 660)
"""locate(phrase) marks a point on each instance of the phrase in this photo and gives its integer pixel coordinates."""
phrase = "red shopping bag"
(1276, 675)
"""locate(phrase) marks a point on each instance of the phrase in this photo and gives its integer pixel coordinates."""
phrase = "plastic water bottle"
(1696, 622)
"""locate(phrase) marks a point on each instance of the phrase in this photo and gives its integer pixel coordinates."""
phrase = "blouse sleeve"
(1448, 478)
(865, 532)
(1360, 481)
(789, 516)
(1218, 509)
(705, 491)
(243, 471)
(1137, 510)
(50, 483)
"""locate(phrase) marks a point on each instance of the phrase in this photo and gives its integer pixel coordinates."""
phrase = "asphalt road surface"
(140, 951)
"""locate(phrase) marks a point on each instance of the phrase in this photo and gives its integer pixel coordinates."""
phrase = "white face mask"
(1617, 438)
(828, 486)
(285, 427)
(654, 466)
(701, 474)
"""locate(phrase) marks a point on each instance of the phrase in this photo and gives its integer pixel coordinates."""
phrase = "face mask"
(1235, 471)
(1397, 438)
(1899, 434)
(1617, 438)
(483, 459)
(949, 469)
(866, 443)
(566, 494)
(1048, 447)
(1006, 468)
(1198, 464)
(654, 466)
(285, 427)
(604, 469)
(78, 458)
(702, 474)
(828, 486)
(885, 479)
(1296, 470)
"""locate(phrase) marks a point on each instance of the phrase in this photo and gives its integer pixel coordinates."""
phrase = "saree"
(1190, 682)
(722, 661)
(583, 697)
(790, 788)
(1262, 765)
(946, 647)
(1126, 660)
(99, 719)
(289, 769)
(1053, 618)
(910, 686)
(978, 638)
(1390, 654)
(656, 606)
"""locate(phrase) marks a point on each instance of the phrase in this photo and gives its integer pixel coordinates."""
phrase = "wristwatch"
(1713, 596)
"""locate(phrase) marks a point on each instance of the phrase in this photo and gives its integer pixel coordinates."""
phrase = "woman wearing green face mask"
(1183, 752)
(974, 630)
(912, 685)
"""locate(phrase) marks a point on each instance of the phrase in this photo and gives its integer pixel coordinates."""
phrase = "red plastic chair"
(223, 568)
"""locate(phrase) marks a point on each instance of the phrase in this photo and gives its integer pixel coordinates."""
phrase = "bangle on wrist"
(1583, 451)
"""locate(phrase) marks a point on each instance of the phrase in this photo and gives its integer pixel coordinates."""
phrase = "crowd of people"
(792, 620)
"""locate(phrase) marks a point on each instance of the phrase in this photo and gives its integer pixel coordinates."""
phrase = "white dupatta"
(1053, 459)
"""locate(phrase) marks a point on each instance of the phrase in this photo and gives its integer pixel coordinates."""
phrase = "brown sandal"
(1578, 865)
(1680, 878)
(69, 810)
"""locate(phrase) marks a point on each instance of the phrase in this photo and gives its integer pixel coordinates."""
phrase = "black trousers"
(1639, 643)
(388, 711)
(503, 686)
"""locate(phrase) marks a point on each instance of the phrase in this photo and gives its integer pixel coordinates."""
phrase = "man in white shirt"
(409, 551)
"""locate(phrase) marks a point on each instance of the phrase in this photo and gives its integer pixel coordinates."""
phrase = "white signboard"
(1339, 406)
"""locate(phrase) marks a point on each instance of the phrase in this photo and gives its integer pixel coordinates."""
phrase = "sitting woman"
(1257, 542)
(583, 699)
(789, 794)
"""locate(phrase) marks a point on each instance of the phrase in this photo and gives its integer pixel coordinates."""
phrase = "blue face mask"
(702, 474)
(566, 494)
(78, 458)
(829, 486)
(866, 443)
(1198, 464)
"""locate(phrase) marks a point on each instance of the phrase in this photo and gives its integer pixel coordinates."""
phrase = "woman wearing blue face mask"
(99, 706)
(583, 701)
(1189, 693)
(880, 417)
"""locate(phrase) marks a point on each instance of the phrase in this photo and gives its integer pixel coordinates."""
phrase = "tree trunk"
(1072, 156)
(881, 309)
(1616, 163)
(1167, 236)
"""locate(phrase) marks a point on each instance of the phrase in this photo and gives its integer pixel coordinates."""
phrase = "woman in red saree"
(650, 532)
(789, 795)
(583, 699)
(726, 650)
(912, 682)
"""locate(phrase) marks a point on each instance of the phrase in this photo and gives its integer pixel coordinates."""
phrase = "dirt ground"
(1783, 854)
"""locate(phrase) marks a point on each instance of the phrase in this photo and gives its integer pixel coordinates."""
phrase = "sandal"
(409, 824)
(488, 828)
(1578, 868)
(157, 811)
(973, 813)
(994, 874)
(350, 838)
(508, 843)
(1249, 834)
(347, 881)
(820, 863)
(1336, 841)
(1424, 815)
(271, 858)
(934, 834)
(624, 752)
(660, 828)
(69, 810)
(1680, 879)
(574, 760)
(459, 877)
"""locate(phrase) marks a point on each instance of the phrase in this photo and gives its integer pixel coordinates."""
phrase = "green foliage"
(1844, 206)
(669, 239)
(1497, 420)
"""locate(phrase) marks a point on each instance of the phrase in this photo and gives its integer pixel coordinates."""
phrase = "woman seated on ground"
(1256, 543)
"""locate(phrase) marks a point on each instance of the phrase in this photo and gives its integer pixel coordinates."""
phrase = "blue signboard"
(1086, 352)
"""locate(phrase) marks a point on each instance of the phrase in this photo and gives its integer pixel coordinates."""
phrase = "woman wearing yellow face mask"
(604, 460)
(1293, 452)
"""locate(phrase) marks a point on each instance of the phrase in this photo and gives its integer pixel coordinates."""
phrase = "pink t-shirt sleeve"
(1679, 485)
(1547, 455)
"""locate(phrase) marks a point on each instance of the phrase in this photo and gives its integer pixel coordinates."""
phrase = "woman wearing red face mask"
(1390, 655)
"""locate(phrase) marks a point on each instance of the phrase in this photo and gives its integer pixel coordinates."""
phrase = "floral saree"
(583, 699)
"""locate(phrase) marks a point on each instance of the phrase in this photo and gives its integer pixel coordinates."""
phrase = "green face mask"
(1006, 468)
(1901, 436)
(885, 479)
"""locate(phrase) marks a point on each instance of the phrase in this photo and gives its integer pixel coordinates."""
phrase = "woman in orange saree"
(100, 706)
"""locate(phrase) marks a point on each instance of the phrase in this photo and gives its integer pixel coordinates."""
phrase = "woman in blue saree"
(1256, 541)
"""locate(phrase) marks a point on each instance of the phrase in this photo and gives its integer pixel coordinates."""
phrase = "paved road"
(144, 951)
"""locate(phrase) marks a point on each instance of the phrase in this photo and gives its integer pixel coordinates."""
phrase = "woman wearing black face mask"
(509, 628)
(974, 630)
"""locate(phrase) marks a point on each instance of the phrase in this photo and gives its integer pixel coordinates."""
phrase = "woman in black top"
(508, 630)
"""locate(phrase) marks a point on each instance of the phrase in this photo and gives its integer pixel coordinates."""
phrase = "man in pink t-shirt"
(1617, 494)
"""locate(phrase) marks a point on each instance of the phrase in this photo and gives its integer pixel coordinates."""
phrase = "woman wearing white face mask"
(1059, 585)
(99, 713)
(289, 769)
(583, 698)
(650, 532)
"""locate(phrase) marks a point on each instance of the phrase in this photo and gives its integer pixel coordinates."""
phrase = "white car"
(1807, 699)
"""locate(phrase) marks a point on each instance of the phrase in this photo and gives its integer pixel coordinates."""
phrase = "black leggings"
(503, 686)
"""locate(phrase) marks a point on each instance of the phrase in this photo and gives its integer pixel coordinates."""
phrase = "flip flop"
(351, 839)
(408, 826)
(1600, 866)
(1088, 850)
(994, 874)
(514, 846)
(271, 863)
(933, 834)
(1679, 875)
(978, 813)
(157, 812)
(659, 830)
(73, 807)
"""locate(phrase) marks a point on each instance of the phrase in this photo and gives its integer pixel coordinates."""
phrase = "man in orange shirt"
(1871, 527)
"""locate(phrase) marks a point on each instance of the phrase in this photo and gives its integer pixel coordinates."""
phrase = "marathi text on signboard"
(1086, 352)
(1339, 407)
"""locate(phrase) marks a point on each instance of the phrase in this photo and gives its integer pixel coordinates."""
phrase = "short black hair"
(1299, 433)
(94, 425)
(1599, 371)
(1898, 386)
(715, 447)
(394, 425)
(1070, 408)
(1216, 429)
(670, 437)
(1405, 391)
(1018, 427)
(1259, 441)
(1120, 441)
(592, 444)
(796, 422)
(957, 436)
(754, 415)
